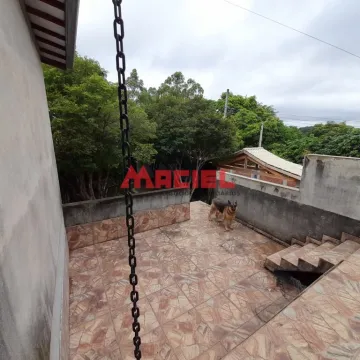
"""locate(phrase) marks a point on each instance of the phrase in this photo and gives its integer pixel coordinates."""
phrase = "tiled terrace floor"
(202, 292)
(321, 324)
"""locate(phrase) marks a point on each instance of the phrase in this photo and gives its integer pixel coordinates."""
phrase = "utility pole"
(226, 103)
(261, 134)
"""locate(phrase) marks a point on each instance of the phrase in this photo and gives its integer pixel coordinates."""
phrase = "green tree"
(176, 85)
(173, 125)
(344, 145)
(336, 139)
(142, 134)
(331, 138)
(295, 149)
(190, 129)
(239, 103)
(135, 86)
(248, 115)
(84, 117)
(173, 106)
(211, 137)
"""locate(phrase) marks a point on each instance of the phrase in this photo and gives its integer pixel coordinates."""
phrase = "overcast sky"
(222, 46)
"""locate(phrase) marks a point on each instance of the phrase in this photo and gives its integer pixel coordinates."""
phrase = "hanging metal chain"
(124, 126)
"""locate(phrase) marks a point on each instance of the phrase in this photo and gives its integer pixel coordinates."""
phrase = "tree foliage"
(332, 138)
(84, 117)
(173, 125)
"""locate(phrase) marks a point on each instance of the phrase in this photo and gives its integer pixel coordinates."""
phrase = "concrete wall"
(279, 211)
(332, 183)
(92, 222)
(101, 209)
(33, 255)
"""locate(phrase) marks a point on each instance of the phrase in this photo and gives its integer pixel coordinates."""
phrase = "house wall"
(94, 221)
(281, 211)
(33, 251)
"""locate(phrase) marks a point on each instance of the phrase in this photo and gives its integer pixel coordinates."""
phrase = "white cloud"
(222, 46)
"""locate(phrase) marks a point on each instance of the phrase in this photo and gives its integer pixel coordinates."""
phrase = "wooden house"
(261, 164)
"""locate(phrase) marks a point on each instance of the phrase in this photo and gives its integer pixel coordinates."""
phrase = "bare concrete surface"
(33, 248)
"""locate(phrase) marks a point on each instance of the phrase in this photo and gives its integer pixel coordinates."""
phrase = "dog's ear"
(229, 202)
(235, 203)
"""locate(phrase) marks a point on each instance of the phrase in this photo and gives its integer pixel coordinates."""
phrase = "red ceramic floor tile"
(189, 335)
(155, 279)
(169, 303)
(197, 287)
(154, 346)
(122, 319)
(95, 339)
(86, 307)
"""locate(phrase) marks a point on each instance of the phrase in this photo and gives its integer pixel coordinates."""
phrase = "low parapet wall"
(279, 211)
(95, 221)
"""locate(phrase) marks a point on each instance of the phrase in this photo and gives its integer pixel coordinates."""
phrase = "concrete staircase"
(313, 255)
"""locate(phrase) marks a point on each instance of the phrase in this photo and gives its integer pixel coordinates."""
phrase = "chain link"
(124, 126)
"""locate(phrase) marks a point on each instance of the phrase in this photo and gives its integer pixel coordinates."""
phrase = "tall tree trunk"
(99, 185)
(82, 186)
(69, 189)
(104, 186)
(199, 165)
(90, 185)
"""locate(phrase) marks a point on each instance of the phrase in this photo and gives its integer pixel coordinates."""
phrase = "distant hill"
(306, 130)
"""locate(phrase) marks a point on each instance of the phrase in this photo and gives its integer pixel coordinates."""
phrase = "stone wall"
(95, 221)
(282, 212)
(33, 251)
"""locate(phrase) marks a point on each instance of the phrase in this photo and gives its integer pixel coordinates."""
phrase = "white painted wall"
(33, 249)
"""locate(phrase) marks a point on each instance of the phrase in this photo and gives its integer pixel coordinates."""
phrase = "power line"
(291, 28)
(313, 118)
(295, 117)
(307, 116)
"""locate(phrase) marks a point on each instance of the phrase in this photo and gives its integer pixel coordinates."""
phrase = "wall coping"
(330, 157)
(122, 197)
(270, 188)
(263, 181)
(89, 211)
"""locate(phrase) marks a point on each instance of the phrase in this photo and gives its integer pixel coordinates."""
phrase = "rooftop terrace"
(202, 292)
(322, 323)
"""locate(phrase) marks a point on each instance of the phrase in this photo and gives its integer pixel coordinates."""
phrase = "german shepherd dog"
(226, 208)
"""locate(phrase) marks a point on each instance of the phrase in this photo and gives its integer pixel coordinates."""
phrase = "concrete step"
(290, 260)
(330, 239)
(313, 241)
(337, 254)
(297, 242)
(272, 262)
(345, 236)
(310, 261)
